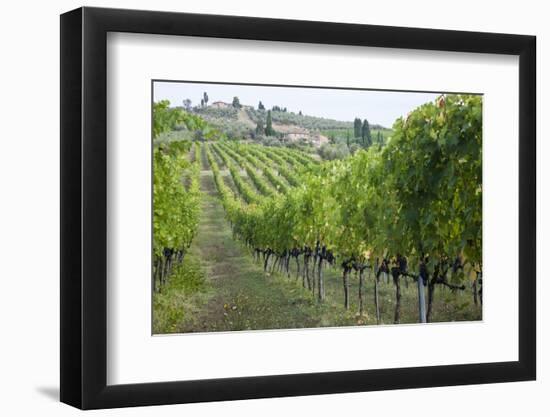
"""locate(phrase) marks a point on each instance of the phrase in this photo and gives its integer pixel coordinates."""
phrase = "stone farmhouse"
(297, 133)
(220, 105)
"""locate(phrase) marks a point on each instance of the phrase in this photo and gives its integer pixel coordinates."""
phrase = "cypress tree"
(357, 128)
(365, 134)
(268, 125)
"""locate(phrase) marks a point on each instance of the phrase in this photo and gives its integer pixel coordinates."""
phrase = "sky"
(378, 107)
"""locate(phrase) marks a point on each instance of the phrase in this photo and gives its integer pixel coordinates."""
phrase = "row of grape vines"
(176, 206)
(255, 169)
(411, 209)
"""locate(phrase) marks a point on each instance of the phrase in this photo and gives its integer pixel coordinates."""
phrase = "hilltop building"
(220, 105)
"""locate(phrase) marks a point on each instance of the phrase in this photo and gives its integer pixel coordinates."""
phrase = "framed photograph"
(257, 208)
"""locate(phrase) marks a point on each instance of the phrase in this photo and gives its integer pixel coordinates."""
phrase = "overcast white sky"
(378, 107)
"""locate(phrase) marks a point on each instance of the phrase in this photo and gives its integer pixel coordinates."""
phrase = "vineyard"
(391, 234)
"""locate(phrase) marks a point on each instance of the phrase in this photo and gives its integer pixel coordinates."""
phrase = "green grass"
(448, 305)
(181, 298)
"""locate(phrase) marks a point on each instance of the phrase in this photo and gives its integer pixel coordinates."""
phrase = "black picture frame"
(84, 207)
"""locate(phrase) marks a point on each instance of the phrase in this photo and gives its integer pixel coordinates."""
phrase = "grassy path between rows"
(237, 294)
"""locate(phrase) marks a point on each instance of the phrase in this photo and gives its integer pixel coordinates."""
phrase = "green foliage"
(272, 176)
(168, 119)
(247, 192)
(269, 125)
(378, 136)
(357, 128)
(435, 160)
(260, 128)
(366, 136)
(236, 103)
(174, 304)
(175, 208)
(273, 160)
(354, 147)
(295, 157)
(330, 152)
(165, 118)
